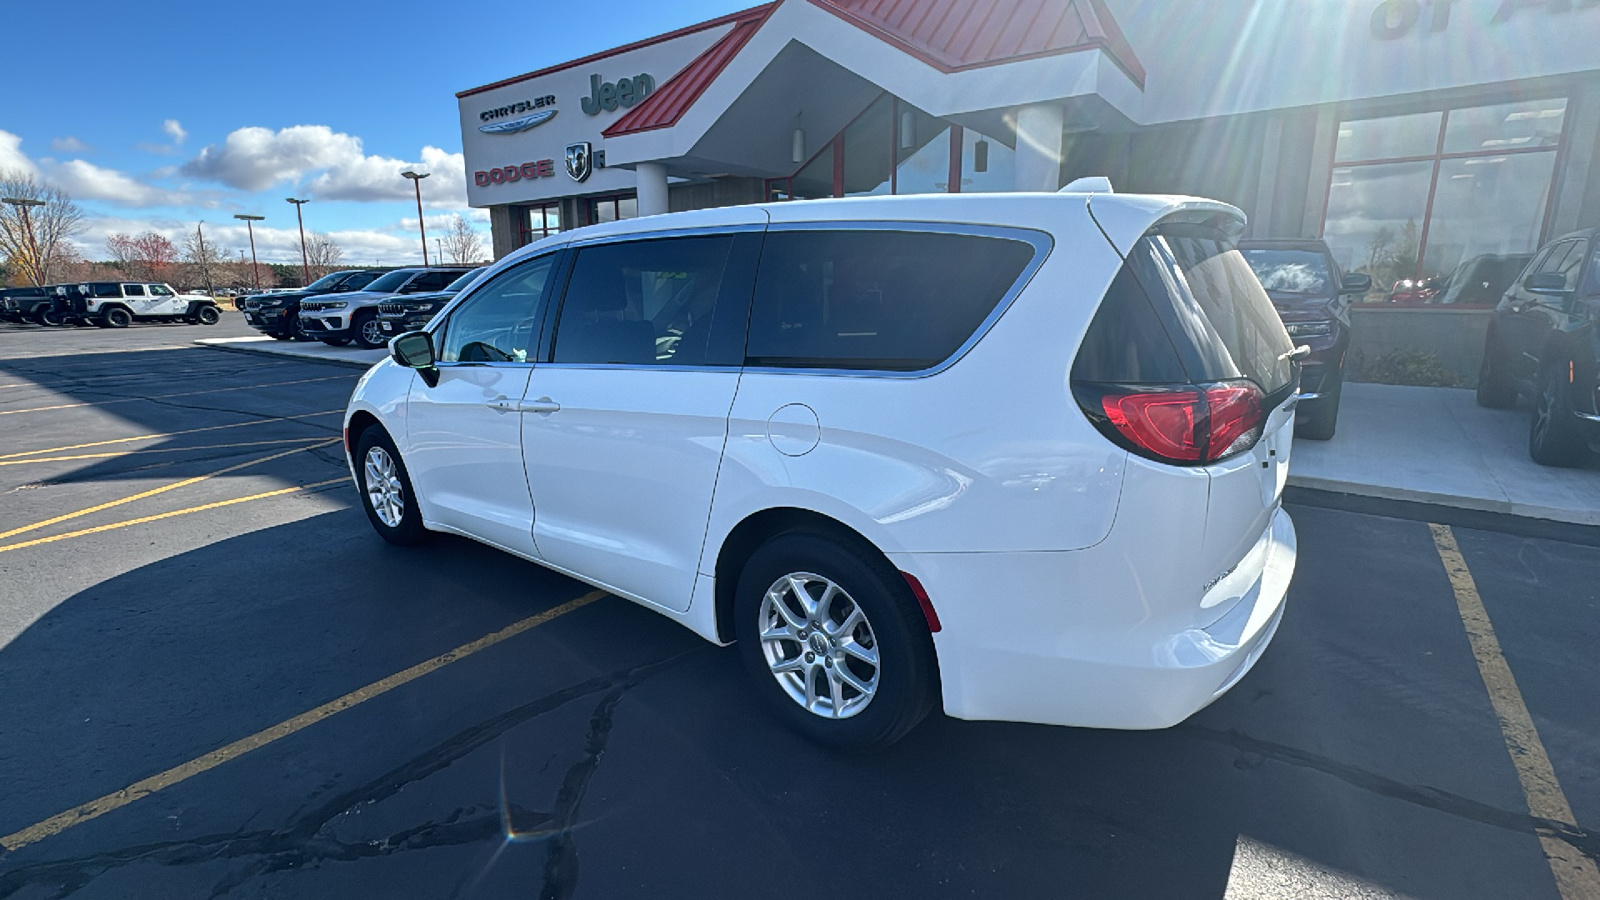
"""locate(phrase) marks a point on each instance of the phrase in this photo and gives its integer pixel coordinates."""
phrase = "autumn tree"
(323, 254)
(462, 243)
(146, 256)
(36, 236)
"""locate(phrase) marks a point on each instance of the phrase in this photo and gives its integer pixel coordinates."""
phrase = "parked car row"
(344, 306)
(108, 304)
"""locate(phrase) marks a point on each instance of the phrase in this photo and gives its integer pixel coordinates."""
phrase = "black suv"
(28, 304)
(1544, 342)
(278, 314)
(398, 315)
(1311, 297)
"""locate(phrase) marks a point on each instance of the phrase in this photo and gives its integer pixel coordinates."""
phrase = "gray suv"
(340, 319)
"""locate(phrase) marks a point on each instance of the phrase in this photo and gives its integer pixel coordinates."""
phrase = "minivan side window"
(898, 301)
(500, 322)
(651, 302)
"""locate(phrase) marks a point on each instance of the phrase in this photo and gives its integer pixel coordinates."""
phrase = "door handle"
(503, 404)
(542, 405)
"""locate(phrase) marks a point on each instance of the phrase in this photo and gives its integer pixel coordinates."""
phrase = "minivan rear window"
(898, 301)
(1198, 293)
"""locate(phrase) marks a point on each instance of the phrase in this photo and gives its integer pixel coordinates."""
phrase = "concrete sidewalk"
(1436, 445)
(312, 350)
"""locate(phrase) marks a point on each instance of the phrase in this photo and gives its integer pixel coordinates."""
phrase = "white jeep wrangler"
(116, 304)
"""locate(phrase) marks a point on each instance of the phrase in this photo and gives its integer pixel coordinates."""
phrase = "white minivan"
(1018, 454)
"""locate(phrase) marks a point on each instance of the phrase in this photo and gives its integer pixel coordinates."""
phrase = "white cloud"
(254, 159)
(69, 144)
(87, 181)
(12, 159)
(174, 130)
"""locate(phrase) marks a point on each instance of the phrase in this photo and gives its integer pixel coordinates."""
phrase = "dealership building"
(1414, 136)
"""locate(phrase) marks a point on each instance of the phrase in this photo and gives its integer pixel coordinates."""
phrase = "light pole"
(25, 204)
(255, 270)
(305, 267)
(416, 182)
(205, 258)
(438, 246)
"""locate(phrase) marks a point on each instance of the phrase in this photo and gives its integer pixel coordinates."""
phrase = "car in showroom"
(401, 314)
(118, 304)
(1481, 280)
(1052, 497)
(354, 317)
(1312, 297)
(277, 312)
(1542, 344)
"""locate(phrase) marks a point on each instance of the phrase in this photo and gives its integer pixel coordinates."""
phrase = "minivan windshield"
(460, 284)
(1290, 271)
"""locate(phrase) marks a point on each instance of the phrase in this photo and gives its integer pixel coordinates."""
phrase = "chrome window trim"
(1042, 243)
(663, 233)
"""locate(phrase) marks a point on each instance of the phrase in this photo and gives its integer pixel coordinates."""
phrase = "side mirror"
(1548, 283)
(414, 350)
(1355, 283)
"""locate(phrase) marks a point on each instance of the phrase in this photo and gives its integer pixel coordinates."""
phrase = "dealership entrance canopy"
(1413, 135)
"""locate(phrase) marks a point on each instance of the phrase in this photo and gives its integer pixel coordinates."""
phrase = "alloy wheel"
(383, 487)
(819, 645)
(372, 333)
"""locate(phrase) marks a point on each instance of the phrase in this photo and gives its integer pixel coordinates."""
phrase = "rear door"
(623, 430)
(137, 299)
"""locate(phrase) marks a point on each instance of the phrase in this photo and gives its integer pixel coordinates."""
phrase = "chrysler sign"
(518, 117)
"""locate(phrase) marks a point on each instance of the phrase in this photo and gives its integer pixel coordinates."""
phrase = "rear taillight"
(1184, 424)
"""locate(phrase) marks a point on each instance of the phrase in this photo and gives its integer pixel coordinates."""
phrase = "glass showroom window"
(1418, 198)
(613, 209)
(895, 148)
(537, 222)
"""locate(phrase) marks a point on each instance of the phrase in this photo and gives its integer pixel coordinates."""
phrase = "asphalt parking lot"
(215, 680)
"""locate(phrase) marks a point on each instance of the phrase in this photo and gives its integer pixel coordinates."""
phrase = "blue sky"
(161, 116)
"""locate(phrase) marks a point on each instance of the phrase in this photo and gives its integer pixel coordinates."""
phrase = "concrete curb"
(1451, 501)
(280, 354)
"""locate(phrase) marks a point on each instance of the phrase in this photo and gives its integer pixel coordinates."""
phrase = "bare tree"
(462, 243)
(36, 237)
(146, 256)
(204, 259)
(323, 255)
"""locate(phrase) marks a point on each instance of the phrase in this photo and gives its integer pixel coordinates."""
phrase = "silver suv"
(339, 319)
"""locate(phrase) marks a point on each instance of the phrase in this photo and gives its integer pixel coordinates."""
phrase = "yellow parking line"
(121, 453)
(167, 434)
(183, 772)
(168, 515)
(163, 489)
(1576, 875)
(12, 412)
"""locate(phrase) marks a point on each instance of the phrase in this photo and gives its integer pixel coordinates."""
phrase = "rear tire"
(385, 489)
(1495, 390)
(817, 653)
(50, 318)
(116, 317)
(1553, 435)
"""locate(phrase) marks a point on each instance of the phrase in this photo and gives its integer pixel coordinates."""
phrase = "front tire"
(368, 331)
(1495, 390)
(1320, 418)
(208, 315)
(1553, 436)
(834, 641)
(386, 492)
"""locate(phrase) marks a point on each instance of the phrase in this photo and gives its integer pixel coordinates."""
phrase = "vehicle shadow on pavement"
(609, 753)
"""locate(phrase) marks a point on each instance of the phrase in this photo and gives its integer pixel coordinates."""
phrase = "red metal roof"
(669, 102)
(660, 38)
(952, 35)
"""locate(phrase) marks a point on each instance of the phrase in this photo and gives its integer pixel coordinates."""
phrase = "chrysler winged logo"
(523, 123)
(580, 161)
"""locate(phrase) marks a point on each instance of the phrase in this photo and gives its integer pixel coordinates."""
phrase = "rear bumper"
(1069, 638)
